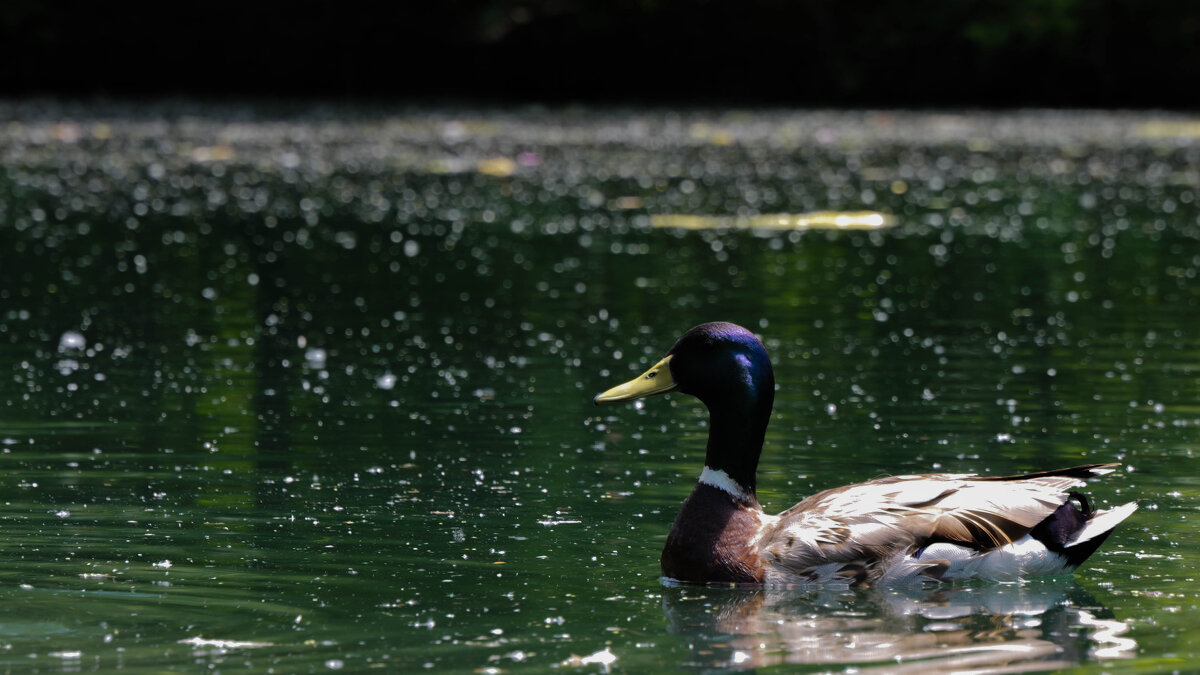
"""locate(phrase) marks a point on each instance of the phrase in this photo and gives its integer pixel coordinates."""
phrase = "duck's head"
(719, 363)
(726, 367)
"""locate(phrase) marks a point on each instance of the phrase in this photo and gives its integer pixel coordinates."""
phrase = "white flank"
(1024, 558)
(721, 480)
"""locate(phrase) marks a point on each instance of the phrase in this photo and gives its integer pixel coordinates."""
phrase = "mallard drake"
(888, 531)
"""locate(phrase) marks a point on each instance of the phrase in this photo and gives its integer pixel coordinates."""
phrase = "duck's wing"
(854, 532)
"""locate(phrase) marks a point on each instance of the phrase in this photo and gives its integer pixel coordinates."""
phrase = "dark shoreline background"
(1056, 53)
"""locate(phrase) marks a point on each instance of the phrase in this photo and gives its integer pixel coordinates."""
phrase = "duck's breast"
(713, 540)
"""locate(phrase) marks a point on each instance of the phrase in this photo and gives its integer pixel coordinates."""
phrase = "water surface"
(311, 390)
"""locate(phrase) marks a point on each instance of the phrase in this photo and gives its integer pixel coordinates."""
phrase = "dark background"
(1104, 53)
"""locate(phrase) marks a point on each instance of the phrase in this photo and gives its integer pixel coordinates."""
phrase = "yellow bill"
(655, 381)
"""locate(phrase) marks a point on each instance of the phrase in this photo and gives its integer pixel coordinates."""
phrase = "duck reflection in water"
(1025, 627)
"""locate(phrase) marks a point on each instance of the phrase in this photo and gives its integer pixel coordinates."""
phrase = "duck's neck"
(737, 426)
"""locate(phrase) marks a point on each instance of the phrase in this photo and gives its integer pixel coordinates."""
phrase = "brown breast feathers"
(710, 540)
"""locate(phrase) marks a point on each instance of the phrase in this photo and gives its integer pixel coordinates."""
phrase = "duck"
(889, 531)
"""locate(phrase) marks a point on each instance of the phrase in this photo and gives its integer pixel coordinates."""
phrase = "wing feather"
(844, 531)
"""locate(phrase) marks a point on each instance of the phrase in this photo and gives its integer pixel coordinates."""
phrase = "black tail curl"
(1060, 527)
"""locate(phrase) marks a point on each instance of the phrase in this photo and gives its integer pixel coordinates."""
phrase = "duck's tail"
(1075, 532)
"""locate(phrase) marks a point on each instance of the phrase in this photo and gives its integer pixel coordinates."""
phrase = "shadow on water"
(1011, 628)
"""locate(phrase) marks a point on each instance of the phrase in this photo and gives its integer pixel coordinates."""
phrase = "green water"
(311, 391)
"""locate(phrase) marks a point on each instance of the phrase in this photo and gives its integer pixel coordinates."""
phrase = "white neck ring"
(723, 482)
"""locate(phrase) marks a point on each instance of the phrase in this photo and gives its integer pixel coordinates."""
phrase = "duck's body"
(896, 530)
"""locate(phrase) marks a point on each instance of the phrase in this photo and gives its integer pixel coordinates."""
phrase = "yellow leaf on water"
(816, 220)
(631, 202)
(1168, 129)
(212, 153)
(496, 166)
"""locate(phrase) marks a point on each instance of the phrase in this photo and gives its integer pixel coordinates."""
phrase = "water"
(311, 390)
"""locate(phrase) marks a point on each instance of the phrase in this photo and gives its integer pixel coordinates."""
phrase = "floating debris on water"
(604, 658)
(496, 166)
(816, 220)
(1168, 129)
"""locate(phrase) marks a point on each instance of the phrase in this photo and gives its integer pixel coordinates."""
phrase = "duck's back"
(938, 527)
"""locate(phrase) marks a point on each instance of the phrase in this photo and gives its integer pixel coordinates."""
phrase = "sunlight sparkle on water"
(71, 341)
